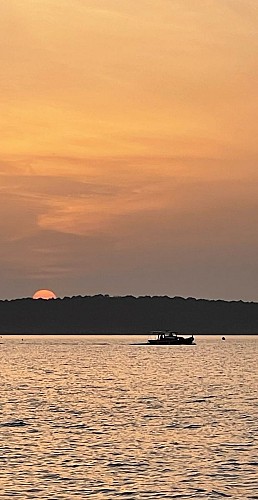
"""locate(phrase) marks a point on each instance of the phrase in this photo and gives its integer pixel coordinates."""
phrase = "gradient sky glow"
(129, 152)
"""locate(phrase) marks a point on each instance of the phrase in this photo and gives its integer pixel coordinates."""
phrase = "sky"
(128, 151)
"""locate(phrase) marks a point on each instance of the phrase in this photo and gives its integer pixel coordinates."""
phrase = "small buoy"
(223, 338)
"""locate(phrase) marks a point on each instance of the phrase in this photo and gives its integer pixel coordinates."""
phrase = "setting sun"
(44, 294)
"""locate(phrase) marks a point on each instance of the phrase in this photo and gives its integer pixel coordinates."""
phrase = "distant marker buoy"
(223, 338)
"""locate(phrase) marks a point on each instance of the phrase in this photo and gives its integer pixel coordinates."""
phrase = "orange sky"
(129, 147)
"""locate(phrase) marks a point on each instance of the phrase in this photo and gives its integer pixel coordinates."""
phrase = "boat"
(167, 337)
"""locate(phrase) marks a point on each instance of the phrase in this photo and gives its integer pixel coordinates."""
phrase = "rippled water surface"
(99, 418)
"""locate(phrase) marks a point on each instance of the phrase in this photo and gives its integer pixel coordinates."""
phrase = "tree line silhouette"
(106, 314)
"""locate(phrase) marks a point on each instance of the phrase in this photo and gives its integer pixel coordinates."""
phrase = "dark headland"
(104, 314)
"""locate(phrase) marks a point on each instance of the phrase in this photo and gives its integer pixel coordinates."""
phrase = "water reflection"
(80, 419)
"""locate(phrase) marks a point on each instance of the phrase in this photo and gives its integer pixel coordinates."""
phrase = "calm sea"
(99, 418)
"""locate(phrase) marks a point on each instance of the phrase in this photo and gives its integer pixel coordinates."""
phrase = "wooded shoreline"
(104, 314)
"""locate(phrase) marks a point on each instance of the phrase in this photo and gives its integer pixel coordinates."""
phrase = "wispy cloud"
(128, 143)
